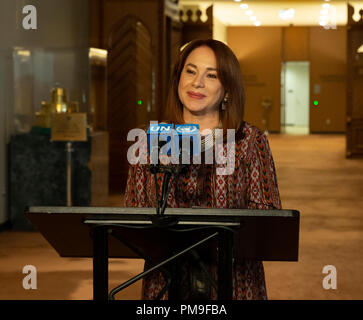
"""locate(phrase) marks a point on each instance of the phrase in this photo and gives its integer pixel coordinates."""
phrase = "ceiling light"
(243, 6)
(326, 5)
(249, 12)
(237, 0)
(287, 14)
(24, 53)
(257, 23)
(253, 18)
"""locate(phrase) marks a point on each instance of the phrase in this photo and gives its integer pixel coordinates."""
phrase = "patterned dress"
(252, 185)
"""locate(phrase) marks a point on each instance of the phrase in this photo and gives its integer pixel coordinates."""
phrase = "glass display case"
(46, 82)
(37, 72)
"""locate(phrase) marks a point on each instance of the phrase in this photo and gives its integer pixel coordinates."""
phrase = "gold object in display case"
(43, 117)
(59, 100)
(73, 107)
(58, 104)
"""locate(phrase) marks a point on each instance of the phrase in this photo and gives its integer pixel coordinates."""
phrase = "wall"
(328, 79)
(295, 43)
(219, 30)
(259, 53)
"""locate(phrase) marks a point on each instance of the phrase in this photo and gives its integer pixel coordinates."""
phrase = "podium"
(124, 232)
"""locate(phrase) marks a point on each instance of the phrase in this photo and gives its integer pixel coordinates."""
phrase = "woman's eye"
(214, 76)
(190, 71)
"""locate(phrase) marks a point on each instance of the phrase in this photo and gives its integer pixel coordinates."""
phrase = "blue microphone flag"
(187, 138)
(183, 141)
(158, 134)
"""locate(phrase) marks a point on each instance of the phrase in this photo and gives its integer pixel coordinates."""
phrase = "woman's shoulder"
(250, 141)
(249, 132)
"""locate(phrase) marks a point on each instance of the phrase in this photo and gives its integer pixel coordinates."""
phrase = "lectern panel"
(271, 235)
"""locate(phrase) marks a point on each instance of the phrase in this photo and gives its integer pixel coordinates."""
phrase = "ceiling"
(306, 12)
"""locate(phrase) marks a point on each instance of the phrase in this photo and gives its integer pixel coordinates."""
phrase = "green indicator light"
(316, 102)
(139, 102)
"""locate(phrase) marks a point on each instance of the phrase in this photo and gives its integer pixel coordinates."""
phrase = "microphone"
(181, 143)
(158, 134)
(187, 144)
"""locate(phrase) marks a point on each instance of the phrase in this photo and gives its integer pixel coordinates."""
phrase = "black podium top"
(270, 235)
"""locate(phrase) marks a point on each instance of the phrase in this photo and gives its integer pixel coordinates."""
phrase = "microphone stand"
(160, 219)
(169, 172)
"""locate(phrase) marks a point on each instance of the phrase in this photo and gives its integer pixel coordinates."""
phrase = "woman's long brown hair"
(229, 73)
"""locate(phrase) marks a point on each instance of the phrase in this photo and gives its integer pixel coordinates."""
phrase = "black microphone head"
(154, 169)
(183, 169)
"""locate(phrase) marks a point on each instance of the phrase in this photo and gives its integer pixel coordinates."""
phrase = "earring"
(224, 102)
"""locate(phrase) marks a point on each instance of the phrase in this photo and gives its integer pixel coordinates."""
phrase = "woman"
(207, 89)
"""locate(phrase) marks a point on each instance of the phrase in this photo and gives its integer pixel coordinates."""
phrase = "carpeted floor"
(314, 177)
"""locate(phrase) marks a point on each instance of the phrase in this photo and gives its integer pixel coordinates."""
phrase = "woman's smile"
(195, 95)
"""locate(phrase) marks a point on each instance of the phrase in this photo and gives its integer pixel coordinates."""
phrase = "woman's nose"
(198, 81)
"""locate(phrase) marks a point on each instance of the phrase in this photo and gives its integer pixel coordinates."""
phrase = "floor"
(314, 177)
(299, 130)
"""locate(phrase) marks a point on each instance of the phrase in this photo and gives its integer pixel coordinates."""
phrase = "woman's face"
(200, 89)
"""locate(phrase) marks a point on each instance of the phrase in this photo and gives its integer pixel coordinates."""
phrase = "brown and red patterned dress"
(253, 185)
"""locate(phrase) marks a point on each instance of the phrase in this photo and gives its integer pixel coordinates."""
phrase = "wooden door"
(131, 97)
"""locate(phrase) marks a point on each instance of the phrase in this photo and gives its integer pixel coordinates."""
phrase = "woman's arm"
(136, 187)
(262, 192)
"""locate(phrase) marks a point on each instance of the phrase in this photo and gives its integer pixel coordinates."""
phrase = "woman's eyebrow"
(191, 65)
(194, 66)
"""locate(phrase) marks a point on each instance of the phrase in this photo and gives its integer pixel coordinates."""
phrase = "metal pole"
(100, 263)
(143, 274)
(69, 173)
(225, 257)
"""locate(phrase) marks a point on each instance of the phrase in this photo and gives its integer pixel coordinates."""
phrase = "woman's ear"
(225, 101)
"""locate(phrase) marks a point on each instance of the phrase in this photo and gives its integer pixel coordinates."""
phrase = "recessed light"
(237, 0)
(243, 6)
(257, 23)
(249, 12)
